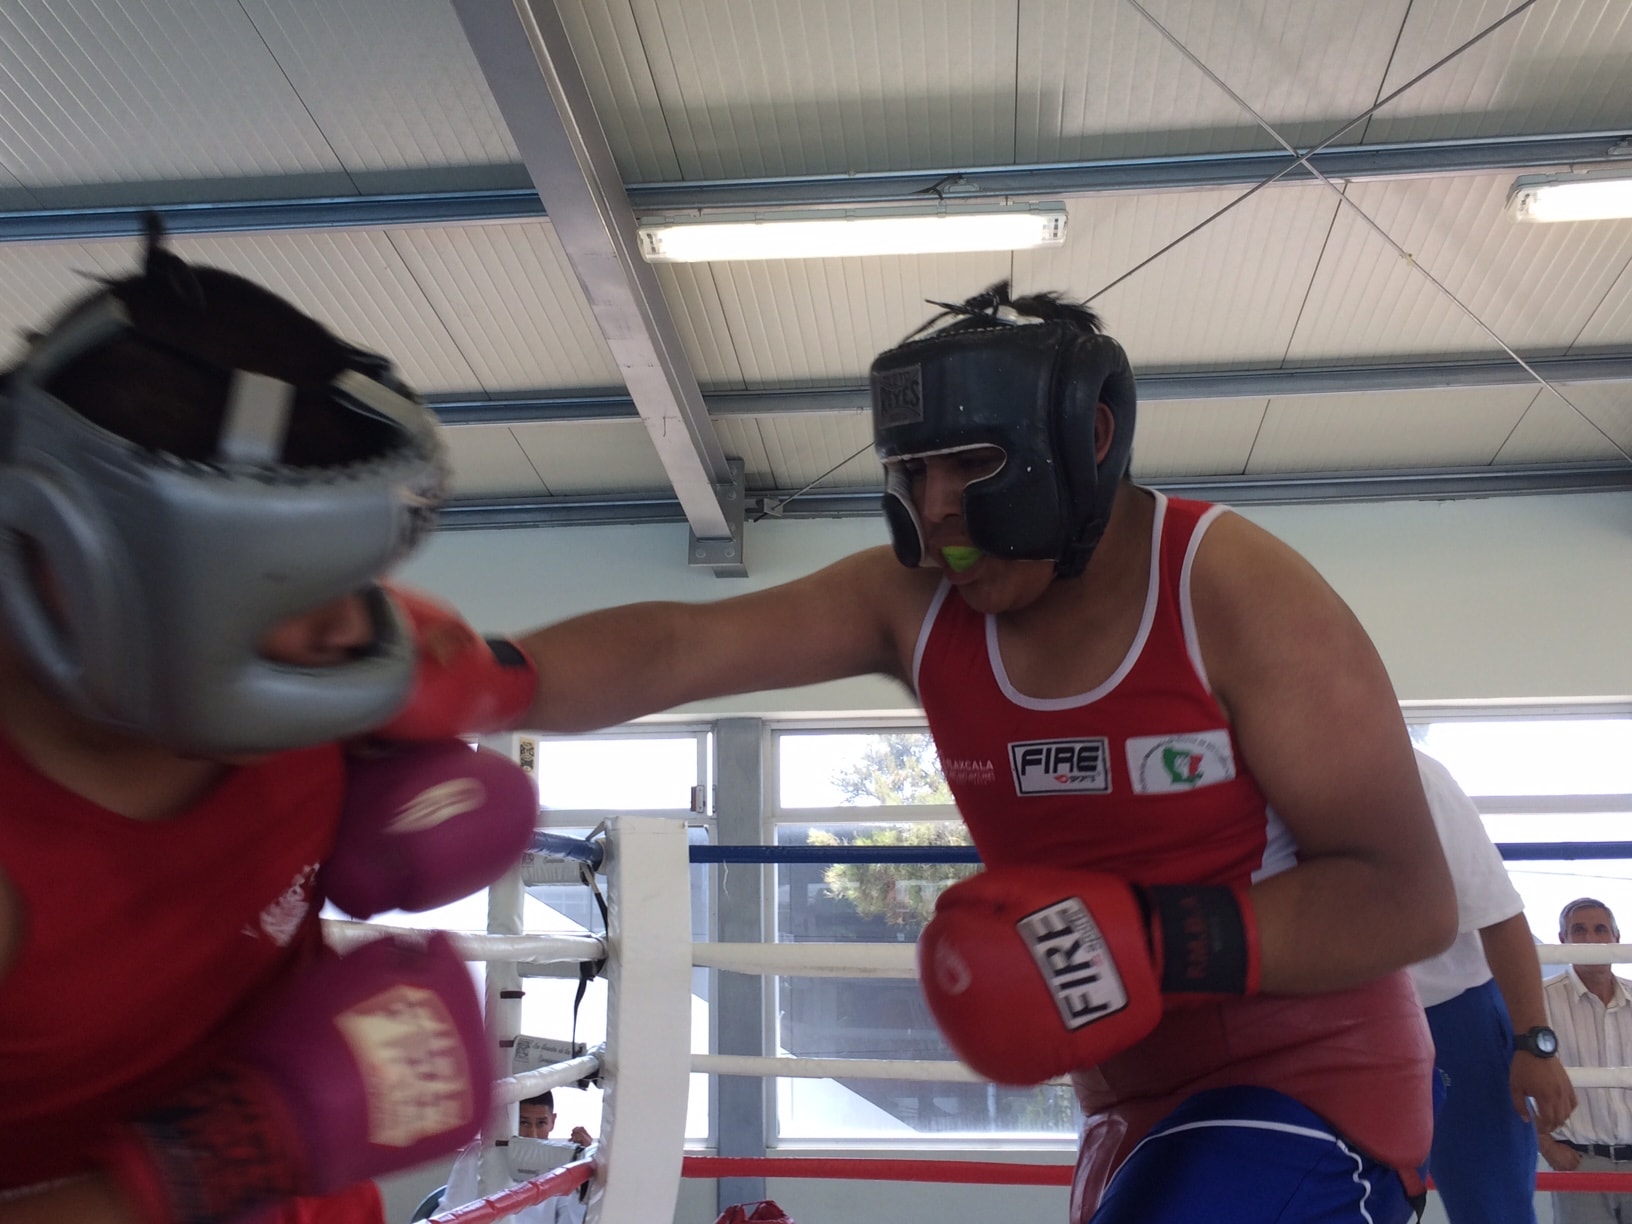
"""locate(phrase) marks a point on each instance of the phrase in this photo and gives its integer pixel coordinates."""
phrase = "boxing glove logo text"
(1070, 954)
(437, 805)
(1062, 766)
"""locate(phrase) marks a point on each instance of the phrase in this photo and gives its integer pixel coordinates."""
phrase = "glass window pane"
(881, 1018)
(860, 769)
(621, 773)
(1559, 756)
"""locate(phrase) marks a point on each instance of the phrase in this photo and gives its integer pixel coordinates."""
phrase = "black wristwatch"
(1540, 1041)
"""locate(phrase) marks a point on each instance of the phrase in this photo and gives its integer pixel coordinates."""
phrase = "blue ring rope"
(1522, 852)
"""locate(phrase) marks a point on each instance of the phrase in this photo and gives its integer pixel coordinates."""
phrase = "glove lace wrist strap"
(1203, 937)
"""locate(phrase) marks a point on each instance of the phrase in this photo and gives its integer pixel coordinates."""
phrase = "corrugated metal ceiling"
(115, 103)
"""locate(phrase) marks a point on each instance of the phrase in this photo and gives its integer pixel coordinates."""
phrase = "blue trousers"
(1484, 1157)
(1250, 1156)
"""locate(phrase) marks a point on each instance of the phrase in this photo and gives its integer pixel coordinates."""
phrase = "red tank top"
(1142, 777)
(146, 944)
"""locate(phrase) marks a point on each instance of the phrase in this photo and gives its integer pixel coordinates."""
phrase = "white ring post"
(648, 1023)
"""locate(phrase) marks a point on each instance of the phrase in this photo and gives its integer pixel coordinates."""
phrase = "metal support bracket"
(725, 556)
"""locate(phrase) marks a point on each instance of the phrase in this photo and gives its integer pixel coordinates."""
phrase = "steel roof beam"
(523, 51)
(1606, 366)
(1484, 155)
(1428, 484)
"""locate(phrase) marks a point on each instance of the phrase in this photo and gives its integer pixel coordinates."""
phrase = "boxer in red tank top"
(1208, 854)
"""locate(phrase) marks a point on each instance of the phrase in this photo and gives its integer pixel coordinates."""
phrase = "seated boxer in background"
(199, 487)
(1208, 854)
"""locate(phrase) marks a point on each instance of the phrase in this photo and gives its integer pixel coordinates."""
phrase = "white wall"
(1517, 598)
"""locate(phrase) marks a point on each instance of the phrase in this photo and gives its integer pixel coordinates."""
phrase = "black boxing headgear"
(1025, 377)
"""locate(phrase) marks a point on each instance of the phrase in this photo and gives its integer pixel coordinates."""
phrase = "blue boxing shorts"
(1249, 1155)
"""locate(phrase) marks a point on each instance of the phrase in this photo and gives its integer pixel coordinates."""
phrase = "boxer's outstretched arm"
(607, 667)
(1320, 727)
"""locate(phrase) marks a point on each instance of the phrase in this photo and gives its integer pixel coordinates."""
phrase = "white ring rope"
(524, 1084)
(810, 959)
(343, 936)
(1584, 954)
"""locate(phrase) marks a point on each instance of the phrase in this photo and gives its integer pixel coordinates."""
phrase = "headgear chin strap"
(1029, 389)
(169, 572)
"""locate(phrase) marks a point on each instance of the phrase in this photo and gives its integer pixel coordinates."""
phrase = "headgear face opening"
(1030, 388)
(170, 571)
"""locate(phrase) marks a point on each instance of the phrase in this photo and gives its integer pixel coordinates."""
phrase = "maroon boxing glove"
(426, 824)
(1033, 972)
(464, 684)
(368, 1064)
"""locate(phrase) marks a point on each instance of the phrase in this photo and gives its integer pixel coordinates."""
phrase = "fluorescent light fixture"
(1572, 197)
(855, 231)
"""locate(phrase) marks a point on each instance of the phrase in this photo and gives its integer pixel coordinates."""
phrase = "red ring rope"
(991, 1173)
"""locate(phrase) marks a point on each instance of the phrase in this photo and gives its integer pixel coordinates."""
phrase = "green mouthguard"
(960, 557)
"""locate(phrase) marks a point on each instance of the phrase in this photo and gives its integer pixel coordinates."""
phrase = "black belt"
(1610, 1151)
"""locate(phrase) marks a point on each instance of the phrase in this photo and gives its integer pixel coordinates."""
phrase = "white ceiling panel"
(356, 283)
(606, 42)
(583, 457)
(1595, 425)
(752, 88)
(1196, 437)
(1535, 285)
(1560, 67)
(163, 98)
(508, 297)
(693, 297)
(391, 84)
(1611, 323)
(1240, 280)
(1098, 80)
(833, 449)
(1386, 430)
(488, 461)
(802, 322)
(38, 279)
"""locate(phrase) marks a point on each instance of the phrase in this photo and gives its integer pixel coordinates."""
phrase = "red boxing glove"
(464, 684)
(426, 824)
(369, 1064)
(1033, 972)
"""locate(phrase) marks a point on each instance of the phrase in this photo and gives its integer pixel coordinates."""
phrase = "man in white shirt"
(526, 1155)
(1492, 1049)
(1591, 1010)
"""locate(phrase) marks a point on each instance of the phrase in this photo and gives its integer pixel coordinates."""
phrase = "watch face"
(1546, 1041)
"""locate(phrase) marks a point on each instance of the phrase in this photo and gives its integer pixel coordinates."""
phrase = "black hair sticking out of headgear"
(1024, 375)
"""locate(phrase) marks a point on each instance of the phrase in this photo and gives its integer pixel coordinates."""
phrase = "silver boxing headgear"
(170, 571)
(1029, 386)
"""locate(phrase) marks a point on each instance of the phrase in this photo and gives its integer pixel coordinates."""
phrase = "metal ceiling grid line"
(530, 67)
(83, 220)
(357, 284)
(1345, 200)
(1560, 64)
(510, 301)
(594, 457)
(1285, 490)
(615, 58)
(1196, 437)
(1613, 317)
(1551, 432)
(696, 301)
(1241, 279)
(390, 83)
(118, 102)
(1388, 430)
(1537, 285)
(1359, 133)
(488, 461)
